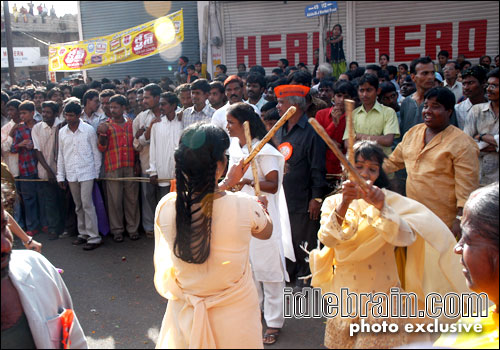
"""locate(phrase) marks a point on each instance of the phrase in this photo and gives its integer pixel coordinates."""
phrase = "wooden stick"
(352, 171)
(349, 106)
(248, 136)
(288, 114)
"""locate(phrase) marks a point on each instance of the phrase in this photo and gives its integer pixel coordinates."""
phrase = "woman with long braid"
(266, 257)
(202, 239)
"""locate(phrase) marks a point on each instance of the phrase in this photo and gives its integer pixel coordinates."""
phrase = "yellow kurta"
(487, 339)
(441, 174)
(214, 304)
(364, 262)
(362, 251)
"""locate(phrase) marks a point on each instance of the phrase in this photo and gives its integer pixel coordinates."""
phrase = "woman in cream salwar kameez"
(202, 238)
(266, 257)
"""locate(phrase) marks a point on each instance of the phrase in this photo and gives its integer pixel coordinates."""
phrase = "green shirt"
(379, 121)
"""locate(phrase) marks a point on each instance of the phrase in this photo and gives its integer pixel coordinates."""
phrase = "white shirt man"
(11, 159)
(143, 120)
(457, 89)
(482, 121)
(461, 110)
(95, 119)
(219, 117)
(78, 158)
(165, 136)
(38, 116)
(44, 140)
(42, 291)
(79, 162)
(259, 104)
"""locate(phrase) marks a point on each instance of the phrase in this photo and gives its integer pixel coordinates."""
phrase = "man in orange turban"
(304, 180)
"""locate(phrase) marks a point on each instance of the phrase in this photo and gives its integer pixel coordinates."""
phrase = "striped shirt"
(191, 116)
(119, 152)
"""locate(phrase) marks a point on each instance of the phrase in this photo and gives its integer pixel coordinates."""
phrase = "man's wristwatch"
(481, 137)
(319, 200)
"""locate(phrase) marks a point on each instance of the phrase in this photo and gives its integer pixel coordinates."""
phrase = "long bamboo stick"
(248, 136)
(331, 144)
(349, 106)
(288, 114)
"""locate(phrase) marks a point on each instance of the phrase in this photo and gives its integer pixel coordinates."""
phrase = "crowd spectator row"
(71, 134)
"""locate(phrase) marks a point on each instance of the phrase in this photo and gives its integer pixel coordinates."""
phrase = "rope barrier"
(146, 179)
(136, 179)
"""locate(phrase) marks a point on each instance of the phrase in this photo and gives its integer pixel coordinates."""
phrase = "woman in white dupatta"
(266, 257)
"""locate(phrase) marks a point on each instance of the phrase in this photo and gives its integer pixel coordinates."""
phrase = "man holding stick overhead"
(304, 180)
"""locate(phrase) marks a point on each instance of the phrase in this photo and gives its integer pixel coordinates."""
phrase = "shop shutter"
(107, 17)
(279, 28)
(422, 20)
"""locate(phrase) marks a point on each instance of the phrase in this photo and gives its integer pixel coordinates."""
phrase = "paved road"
(117, 304)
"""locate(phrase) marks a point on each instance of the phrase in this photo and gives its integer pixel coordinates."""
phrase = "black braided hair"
(200, 148)
(244, 112)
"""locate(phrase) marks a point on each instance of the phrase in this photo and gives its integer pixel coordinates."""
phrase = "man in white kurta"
(268, 257)
(165, 136)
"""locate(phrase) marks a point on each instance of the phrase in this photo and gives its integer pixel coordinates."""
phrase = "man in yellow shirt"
(373, 121)
(441, 160)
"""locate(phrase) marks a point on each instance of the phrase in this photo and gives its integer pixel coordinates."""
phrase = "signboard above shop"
(323, 8)
(24, 57)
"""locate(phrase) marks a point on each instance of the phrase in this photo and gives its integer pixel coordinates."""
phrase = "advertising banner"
(128, 45)
(24, 57)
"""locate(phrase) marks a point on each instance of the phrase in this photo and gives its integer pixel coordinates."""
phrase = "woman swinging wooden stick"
(360, 228)
(267, 257)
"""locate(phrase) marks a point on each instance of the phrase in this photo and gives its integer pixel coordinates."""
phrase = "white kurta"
(165, 137)
(268, 256)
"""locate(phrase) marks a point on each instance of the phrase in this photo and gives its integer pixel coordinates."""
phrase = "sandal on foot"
(118, 238)
(271, 337)
(134, 237)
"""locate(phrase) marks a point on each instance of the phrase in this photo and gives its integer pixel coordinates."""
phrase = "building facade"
(262, 33)
(30, 44)
(100, 18)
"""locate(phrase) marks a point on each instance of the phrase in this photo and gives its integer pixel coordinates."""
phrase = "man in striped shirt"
(23, 145)
(200, 111)
(116, 142)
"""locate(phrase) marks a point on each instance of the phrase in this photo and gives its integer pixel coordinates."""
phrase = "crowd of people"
(135, 157)
(28, 14)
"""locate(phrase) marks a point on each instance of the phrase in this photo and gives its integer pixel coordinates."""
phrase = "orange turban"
(291, 90)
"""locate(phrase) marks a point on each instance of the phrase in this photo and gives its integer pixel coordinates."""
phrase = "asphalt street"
(117, 304)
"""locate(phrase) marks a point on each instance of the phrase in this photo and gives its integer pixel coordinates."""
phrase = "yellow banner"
(128, 45)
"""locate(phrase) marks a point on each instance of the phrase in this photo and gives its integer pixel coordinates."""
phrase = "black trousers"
(303, 230)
